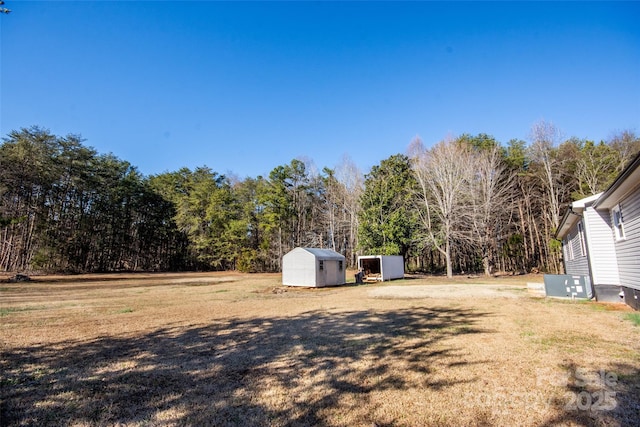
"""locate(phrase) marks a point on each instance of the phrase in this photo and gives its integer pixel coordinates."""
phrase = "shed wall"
(392, 267)
(331, 274)
(299, 269)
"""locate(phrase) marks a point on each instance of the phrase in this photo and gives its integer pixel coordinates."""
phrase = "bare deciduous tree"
(352, 182)
(552, 168)
(595, 168)
(626, 144)
(443, 174)
(545, 137)
(491, 196)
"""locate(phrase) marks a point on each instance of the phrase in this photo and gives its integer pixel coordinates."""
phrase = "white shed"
(381, 267)
(313, 267)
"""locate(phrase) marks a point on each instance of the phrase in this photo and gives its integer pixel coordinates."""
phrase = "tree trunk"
(448, 259)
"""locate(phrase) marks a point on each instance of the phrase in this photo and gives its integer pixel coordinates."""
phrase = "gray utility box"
(568, 286)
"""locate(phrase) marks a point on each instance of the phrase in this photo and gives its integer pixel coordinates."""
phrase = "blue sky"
(244, 87)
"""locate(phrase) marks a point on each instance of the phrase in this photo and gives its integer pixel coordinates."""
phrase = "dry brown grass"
(233, 349)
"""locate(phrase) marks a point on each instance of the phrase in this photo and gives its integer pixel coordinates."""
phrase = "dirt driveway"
(453, 291)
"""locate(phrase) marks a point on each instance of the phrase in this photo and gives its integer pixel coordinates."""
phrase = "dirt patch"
(448, 291)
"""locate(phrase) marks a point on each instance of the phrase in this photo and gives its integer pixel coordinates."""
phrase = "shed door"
(322, 273)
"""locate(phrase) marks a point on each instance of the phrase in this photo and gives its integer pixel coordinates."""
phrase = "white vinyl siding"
(601, 247)
(574, 263)
(628, 249)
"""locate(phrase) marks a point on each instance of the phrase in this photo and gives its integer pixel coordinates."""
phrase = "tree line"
(466, 204)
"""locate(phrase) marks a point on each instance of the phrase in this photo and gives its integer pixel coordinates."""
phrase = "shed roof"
(324, 253)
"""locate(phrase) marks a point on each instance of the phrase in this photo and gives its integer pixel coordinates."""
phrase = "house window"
(340, 265)
(570, 249)
(583, 243)
(618, 222)
(321, 266)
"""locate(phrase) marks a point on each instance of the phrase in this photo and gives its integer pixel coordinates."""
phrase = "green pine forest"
(468, 204)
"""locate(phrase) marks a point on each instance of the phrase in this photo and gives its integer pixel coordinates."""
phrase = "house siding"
(601, 247)
(612, 226)
(579, 264)
(628, 249)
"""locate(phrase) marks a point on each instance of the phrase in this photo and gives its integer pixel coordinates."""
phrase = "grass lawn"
(238, 349)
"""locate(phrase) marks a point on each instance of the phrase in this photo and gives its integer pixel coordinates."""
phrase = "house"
(601, 238)
(313, 267)
(381, 267)
(588, 248)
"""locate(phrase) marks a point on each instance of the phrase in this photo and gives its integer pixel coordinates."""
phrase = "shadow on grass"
(608, 396)
(260, 371)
